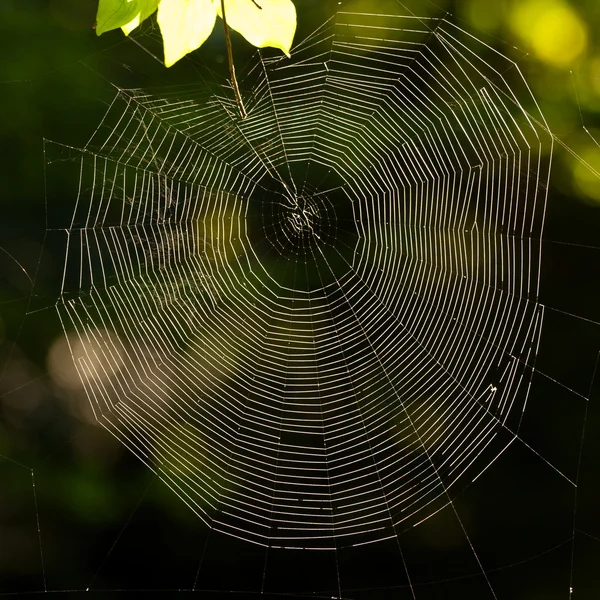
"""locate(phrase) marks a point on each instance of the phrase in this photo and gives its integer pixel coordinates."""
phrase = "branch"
(234, 83)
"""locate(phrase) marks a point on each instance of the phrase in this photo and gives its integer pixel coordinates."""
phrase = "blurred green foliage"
(56, 79)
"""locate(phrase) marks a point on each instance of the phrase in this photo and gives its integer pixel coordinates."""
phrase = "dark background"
(77, 511)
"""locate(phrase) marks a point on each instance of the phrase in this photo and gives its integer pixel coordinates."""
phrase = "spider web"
(315, 321)
(320, 325)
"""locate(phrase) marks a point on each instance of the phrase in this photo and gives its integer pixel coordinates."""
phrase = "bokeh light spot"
(552, 29)
(63, 352)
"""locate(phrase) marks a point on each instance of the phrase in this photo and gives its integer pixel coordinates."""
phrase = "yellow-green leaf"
(273, 24)
(113, 14)
(185, 25)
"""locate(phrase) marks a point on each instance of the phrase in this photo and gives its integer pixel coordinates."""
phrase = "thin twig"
(234, 83)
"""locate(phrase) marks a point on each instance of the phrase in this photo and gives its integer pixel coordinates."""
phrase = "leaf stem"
(234, 83)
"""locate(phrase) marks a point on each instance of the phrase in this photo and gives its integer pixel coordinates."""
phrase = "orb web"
(315, 324)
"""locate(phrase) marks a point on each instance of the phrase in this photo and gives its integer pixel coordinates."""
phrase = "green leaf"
(113, 14)
(147, 8)
(185, 25)
(273, 24)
